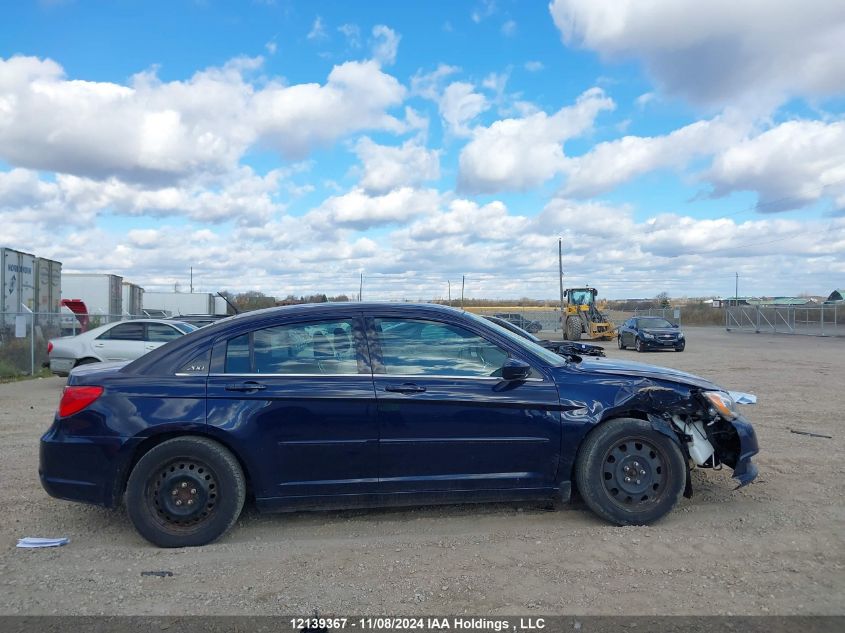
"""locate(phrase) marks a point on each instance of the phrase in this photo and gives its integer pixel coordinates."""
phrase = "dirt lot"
(775, 547)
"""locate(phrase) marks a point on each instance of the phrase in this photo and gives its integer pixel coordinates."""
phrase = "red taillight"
(74, 399)
(49, 346)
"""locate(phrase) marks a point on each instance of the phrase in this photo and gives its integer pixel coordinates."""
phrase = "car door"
(125, 341)
(447, 422)
(157, 334)
(298, 400)
(628, 334)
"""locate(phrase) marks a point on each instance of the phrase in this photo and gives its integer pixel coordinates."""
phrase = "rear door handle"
(246, 386)
(406, 388)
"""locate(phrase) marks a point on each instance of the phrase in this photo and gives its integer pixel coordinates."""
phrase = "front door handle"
(406, 388)
(246, 386)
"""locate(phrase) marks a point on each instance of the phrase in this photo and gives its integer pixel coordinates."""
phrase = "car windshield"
(185, 327)
(653, 322)
(548, 356)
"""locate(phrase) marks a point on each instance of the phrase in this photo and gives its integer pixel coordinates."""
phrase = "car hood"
(661, 330)
(641, 370)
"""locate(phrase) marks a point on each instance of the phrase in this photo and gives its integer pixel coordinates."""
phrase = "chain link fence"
(24, 336)
(817, 320)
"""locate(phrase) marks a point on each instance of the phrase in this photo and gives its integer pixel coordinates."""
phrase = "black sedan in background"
(564, 348)
(645, 333)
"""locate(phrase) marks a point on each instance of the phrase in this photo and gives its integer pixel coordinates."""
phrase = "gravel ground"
(774, 547)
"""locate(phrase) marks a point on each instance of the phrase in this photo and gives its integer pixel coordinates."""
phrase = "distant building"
(837, 296)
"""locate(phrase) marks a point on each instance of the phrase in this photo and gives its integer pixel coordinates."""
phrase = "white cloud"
(509, 28)
(789, 166)
(385, 44)
(152, 131)
(534, 66)
(294, 119)
(459, 105)
(721, 51)
(525, 152)
(389, 167)
(612, 163)
(352, 34)
(318, 30)
(359, 210)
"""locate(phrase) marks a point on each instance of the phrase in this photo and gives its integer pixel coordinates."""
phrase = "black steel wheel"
(184, 492)
(628, 473)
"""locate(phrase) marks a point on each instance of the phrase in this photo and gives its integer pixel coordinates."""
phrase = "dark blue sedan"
(351, 405)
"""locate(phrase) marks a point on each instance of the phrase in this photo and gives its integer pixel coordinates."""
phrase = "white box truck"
(17, 278)
(102, 293)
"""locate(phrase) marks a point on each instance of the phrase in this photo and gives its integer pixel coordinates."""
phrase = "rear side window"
(124, 332)
(326, 347)
(160, 333)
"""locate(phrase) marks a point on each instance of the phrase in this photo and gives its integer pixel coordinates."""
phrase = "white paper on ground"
(35, 542)
(743, 398)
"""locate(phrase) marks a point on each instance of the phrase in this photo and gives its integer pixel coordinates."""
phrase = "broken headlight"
(721, 403)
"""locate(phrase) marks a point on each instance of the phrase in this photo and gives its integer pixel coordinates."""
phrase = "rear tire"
(185, 492)
(628, 473)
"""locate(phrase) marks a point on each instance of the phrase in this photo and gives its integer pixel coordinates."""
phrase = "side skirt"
(345, 502)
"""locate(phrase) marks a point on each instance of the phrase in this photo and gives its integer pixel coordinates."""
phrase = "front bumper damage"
(745, 471)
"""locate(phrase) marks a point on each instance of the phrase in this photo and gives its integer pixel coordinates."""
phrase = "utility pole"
(361, 287)
(736, 291)
(560, 276)
(463, 281)
(192, 279)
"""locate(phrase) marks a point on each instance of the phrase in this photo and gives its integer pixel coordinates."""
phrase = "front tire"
(619, 341)
(573, 329)
(185, 492)
(628, 473)
(638, 345)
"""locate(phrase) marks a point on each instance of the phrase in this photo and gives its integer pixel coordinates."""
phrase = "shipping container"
(17, 278)
(102, 293)
(133, 298)
(220, 306)
(48, 289)
(179, 303)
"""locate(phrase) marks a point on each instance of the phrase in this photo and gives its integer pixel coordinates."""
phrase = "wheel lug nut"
(174, 492)
(178, 502)
(642, 472)
(184, 484)
(194, 490)
(638, 481)
(190, 502)
(627, 479)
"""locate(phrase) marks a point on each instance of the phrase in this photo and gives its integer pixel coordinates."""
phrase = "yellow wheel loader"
(581, 317)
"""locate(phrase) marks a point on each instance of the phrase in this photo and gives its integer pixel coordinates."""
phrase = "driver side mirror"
(515, 369)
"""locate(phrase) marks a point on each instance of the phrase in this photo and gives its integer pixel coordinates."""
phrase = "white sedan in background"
(122, 340)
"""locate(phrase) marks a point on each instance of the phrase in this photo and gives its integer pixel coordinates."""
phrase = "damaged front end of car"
(708, 427)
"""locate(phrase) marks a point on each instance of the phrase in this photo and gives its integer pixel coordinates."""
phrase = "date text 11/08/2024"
(417, 623)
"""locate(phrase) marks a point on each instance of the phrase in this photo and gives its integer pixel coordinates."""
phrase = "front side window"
(430, 348)
(326, 347)
(124, 332)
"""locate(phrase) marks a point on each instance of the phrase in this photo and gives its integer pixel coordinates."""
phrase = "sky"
(291, 147)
